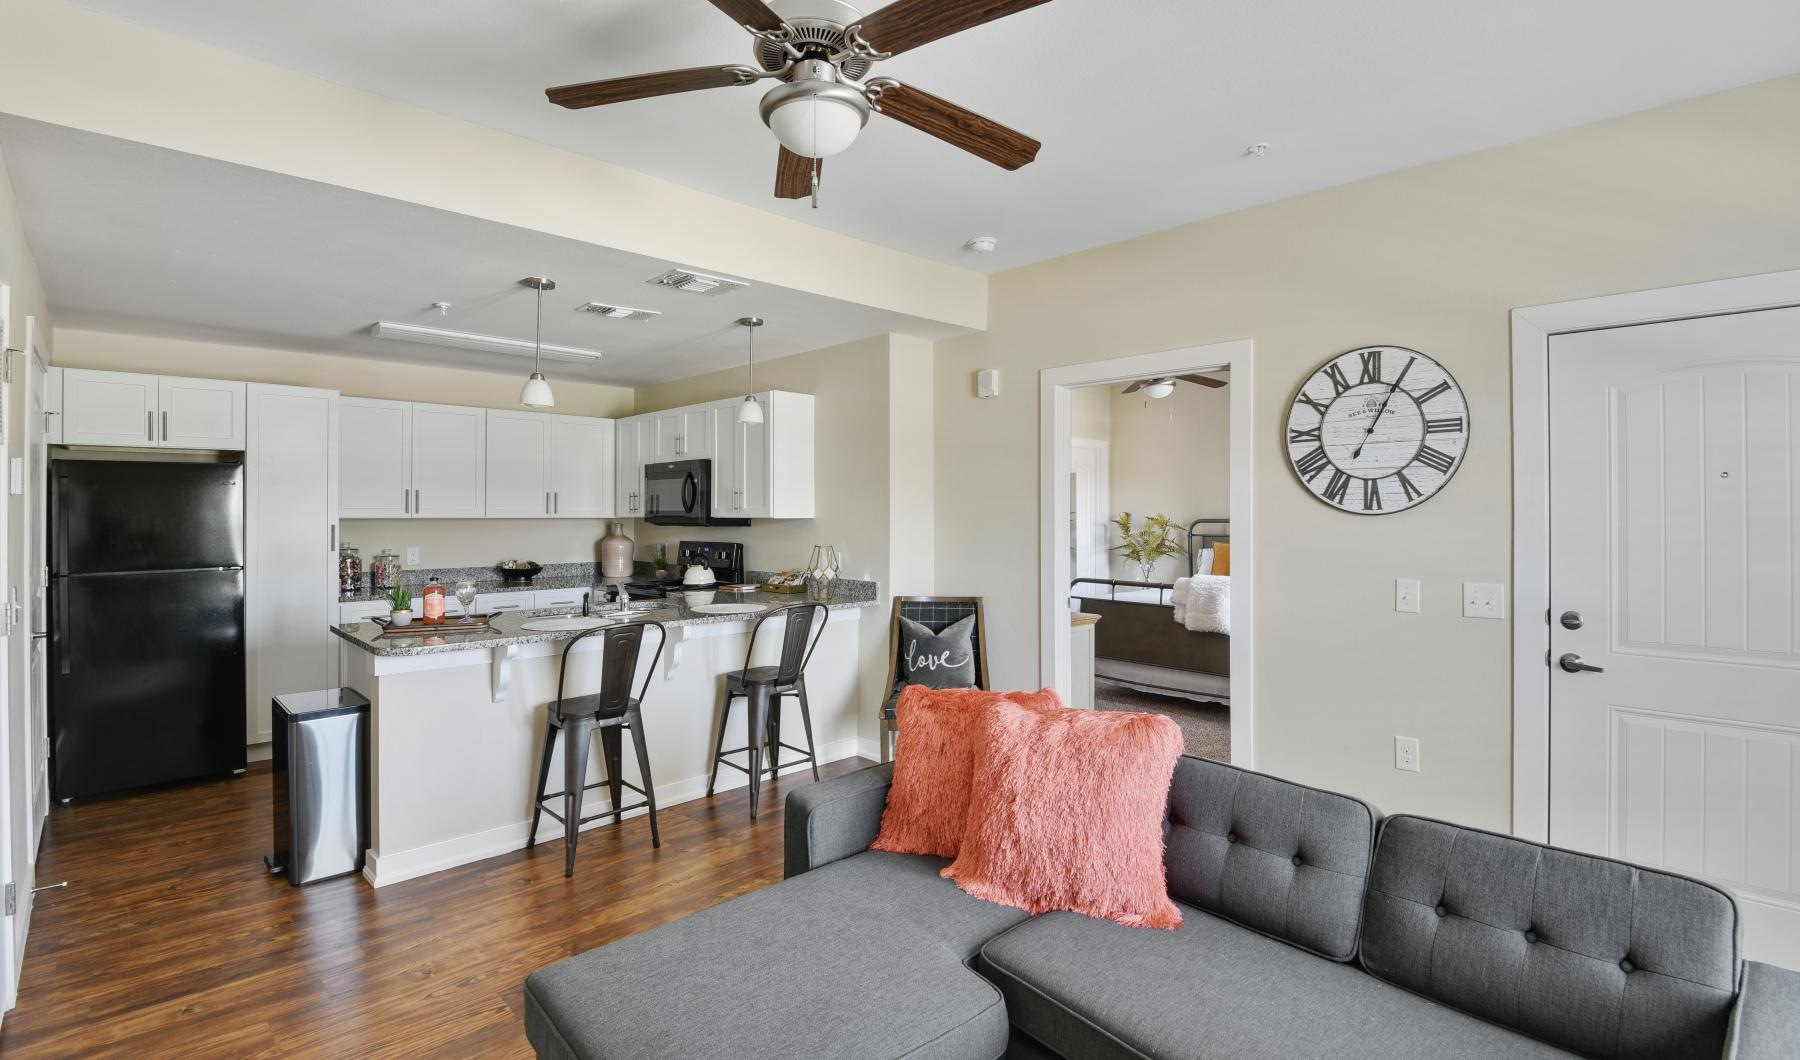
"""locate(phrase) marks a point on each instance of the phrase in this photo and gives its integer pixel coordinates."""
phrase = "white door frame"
(1055, 426)
(1532, 328)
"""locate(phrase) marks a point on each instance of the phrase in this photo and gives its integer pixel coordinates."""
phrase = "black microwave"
(679, 493)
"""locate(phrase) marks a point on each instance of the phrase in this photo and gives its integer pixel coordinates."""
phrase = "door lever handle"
(1571, 663)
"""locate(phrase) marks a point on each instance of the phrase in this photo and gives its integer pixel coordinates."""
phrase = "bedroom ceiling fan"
(1163, 387)
(821, 53)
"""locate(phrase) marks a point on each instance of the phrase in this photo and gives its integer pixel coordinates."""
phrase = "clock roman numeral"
(1371, 366)
(1311, 464)
(1407, 489)
(1436, 459)
(1339, 381)
(1310, 402)
(1337, 487)
(1296, 435)
(1371, 495)
(1433, 392)
(1445, 425)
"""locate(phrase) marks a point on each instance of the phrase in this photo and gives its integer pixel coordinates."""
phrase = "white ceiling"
(145, 240)
(1145, 108)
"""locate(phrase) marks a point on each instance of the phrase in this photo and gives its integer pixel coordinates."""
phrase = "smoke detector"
(696, 282)
(618, 312)
(982, 244)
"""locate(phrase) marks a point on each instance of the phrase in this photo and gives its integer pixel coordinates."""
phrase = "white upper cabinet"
(680, 434)
(633, 437)
(581, 467)
(518, 464)
(200, 413)
(148, 411)
(375, 466)
(764, 470)
(449, 460)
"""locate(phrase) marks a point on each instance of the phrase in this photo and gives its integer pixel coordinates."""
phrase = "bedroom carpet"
(1205, 727)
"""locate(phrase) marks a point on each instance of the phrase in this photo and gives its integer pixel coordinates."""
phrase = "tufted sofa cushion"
(1590, 954)
(1279, 858)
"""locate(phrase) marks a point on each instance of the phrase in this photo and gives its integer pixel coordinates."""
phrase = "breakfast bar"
(457, 718)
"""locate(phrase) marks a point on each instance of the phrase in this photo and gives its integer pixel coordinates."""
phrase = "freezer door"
(116, 516)
(146, 679)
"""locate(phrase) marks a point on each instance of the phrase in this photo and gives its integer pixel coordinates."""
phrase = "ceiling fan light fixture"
(815, 119)
(1162, 388)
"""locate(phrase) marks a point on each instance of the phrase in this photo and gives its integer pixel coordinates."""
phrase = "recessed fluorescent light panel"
(696, 282)
(618, 312)
(469, 340)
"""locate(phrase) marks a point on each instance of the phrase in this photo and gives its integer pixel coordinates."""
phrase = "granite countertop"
(507, 627)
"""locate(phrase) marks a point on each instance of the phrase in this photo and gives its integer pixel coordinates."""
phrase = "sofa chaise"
(1311, 928)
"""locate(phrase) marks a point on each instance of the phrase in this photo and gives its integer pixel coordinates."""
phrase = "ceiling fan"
(1163, 387)
(821, 54)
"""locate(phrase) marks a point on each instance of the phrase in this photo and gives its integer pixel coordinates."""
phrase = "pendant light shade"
(536, 394)
(750, 411)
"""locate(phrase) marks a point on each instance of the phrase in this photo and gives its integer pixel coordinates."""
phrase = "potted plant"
(400, 598)
(1147, 544)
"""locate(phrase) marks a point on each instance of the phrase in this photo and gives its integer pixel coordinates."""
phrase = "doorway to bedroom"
(1145, 559)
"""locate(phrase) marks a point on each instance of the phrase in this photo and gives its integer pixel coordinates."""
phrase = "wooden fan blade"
(753, 14)
(956, 125)
(906, 24)
(793, 175)
(643, 86)
(1203, 380)
(1137, 386)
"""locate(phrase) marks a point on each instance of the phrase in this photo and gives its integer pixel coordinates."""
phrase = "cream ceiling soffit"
(69, 66)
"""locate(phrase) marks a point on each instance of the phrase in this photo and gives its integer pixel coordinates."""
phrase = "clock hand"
(1383, 408)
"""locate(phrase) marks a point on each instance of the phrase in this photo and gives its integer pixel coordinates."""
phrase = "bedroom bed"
(1137, 641)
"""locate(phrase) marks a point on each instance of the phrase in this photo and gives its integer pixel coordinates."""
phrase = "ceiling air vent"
(697, 282)
(619, 312)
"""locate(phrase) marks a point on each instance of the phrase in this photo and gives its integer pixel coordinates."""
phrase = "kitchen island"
(456, 721)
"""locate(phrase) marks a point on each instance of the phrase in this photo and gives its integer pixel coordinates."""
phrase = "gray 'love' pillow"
(937, 660)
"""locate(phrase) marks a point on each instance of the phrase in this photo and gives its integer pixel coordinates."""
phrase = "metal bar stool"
(762, 687)
(609, 710)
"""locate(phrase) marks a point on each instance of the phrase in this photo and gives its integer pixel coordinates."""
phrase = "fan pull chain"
(815, 183)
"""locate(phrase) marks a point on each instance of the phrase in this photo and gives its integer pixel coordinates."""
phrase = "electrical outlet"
(1406, 595)
(1484, 600)
(412, 555)
(1406, 753)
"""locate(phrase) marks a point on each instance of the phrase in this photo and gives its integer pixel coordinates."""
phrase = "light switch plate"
(1484, 600)
(1406, 753)
(412, 555)
(1406, 595)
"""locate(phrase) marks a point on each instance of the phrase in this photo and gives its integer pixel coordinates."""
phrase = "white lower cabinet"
(290, 545)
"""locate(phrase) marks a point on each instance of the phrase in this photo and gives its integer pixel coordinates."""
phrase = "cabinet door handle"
(546, 502)
(406, 501)
(165, 416)
(417, 507)
(149, 426)
(556, 503)
(332, 546)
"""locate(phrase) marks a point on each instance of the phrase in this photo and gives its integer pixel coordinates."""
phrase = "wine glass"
(465, 595)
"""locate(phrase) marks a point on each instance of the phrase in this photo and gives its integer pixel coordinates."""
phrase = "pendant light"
(536, 394)
(750, 411)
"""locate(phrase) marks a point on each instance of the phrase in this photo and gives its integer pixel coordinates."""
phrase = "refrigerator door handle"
(62, 619)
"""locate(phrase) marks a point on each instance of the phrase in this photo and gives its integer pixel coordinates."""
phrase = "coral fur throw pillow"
(934, 763)
(1066, 812)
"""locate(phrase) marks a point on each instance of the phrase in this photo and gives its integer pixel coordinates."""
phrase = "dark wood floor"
(172, 940)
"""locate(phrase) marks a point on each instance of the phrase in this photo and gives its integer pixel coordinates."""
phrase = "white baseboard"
(399, 866)
(259, 752)
(870, 749)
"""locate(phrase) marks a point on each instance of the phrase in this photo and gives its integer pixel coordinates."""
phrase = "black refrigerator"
(146, 623)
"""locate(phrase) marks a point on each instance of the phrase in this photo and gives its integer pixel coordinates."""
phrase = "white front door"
(1675, 569)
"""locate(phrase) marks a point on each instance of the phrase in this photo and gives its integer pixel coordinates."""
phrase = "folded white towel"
(1178, 598)
(1209, 604)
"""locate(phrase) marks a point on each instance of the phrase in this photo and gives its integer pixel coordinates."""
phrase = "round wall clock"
(1377, 430)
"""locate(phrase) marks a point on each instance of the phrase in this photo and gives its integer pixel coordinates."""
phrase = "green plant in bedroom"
(1149, 543)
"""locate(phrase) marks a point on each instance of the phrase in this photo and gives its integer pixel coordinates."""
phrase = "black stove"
(726, 558)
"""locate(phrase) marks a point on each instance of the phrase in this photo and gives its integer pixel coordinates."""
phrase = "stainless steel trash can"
(321, 782)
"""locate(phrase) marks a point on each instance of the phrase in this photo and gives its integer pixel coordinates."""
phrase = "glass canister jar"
(350, 569)
(384, 570)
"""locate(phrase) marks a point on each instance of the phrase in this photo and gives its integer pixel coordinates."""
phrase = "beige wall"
(860, 437)
(1090, 413)
(1431, 258)
(441, 542)
(1170, 455)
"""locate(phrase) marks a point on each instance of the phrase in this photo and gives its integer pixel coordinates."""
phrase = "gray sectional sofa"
(1312, 928)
